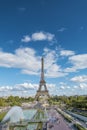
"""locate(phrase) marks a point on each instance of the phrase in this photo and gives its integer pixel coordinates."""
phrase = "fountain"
(15, 114)
(17, 119)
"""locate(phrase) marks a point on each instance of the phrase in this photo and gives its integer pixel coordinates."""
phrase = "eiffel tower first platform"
(42, 83)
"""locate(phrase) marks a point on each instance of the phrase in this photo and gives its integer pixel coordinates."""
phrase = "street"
(56, 121)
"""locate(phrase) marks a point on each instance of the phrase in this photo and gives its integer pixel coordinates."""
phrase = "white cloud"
(51, 65)
(70, 69)
(78, 62)
(23, 89)
(19, 87)
(50, 57)
(62, 83)
(23, 58)
(62, 29)
(75, 87)
(67, 53)
(26, 71)
(42, 36)
(83, 85)
(29, 89)
(38, 36)
(5, 88)
(64, 86)
(69, 89)
(24, 86)
(26, 39)
(29, 63)
(55, 71)
(79, 79)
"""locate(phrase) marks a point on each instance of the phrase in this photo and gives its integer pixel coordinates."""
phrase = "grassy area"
(79, 127)
(39, 127)
(68, 119)
(39, 115)
(2, 115)
(65, 116)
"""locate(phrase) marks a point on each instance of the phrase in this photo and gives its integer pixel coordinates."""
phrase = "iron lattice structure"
(42, 83)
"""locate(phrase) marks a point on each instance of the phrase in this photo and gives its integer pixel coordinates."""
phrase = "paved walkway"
(59, 124)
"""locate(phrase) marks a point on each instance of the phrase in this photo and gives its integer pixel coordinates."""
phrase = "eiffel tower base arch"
(41, 94)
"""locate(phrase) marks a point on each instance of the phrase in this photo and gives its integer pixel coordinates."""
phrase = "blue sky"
(54, 29)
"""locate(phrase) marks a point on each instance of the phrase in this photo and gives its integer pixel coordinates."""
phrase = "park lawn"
(2, 115)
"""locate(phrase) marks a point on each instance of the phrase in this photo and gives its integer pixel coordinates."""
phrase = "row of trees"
(78, 102)
(11, 100)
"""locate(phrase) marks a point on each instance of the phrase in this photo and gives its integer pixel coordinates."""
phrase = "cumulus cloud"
(81, 82)
(51, 65)
(70, 69)
(78, 62)
(19, 87)
(64, 86)
(29, 89)
(26, 71)
(79, 79)
(75, 87)
(38, 36)
(70, 89)
(54, 71)
(67, 53)
(24, 88)
(6, 88)
(23, 58)
(30, 63)
(26, 39)
(83, 85)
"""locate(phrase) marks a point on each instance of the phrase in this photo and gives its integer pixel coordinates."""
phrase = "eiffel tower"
(42, 83)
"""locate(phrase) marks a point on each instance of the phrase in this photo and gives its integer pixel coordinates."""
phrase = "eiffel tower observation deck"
(40, 91)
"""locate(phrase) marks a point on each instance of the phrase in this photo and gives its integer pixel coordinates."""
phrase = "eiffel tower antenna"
(42, 69)
(42, 83)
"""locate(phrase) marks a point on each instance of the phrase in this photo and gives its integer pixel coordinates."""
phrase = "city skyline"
(53, 29)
